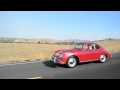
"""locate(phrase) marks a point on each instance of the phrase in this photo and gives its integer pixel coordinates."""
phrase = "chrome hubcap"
(102, 58)
(72, 62)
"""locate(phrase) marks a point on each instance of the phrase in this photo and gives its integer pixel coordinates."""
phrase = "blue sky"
(85, 25)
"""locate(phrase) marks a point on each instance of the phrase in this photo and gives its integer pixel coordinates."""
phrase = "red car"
(81, 52)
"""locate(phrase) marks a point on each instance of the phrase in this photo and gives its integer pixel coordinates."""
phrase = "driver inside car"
(89, 47)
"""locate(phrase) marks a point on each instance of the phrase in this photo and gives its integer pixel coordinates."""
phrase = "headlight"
(60, 56)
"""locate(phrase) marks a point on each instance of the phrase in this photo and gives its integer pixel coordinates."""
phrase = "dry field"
(110, 45)
(20, 51)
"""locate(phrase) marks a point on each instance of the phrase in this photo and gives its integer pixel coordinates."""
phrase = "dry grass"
(111, 45)
(20, 51)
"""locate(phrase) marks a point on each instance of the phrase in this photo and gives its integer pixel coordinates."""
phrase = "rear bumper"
(111, 55)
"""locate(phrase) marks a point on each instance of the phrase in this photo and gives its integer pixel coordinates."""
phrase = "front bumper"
(55, 60)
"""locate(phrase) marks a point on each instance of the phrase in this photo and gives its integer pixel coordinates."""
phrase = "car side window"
(96, 46)
(90, 47)
(85, 47)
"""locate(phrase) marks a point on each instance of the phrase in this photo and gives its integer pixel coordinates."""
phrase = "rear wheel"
(72, 61)
(103, 58)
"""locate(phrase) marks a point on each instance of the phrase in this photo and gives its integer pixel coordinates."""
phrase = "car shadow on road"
(83, 63)
(49, 63)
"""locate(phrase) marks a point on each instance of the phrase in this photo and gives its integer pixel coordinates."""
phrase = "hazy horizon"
(60, 25)
(57, 39)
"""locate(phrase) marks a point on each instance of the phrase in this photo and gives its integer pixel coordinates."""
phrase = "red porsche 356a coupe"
(81, 52)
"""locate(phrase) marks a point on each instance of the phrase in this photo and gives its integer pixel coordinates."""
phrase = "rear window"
(96, 46)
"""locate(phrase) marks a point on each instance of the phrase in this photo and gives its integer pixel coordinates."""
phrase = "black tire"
(103, 58)
(71, 62)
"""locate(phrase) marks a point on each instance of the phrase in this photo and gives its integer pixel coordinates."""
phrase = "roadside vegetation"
(25, 51)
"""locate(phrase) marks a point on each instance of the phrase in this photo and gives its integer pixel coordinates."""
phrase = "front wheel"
(71, 62)
(103, 58)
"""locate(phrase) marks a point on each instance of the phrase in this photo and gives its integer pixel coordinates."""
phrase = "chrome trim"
(89, 60)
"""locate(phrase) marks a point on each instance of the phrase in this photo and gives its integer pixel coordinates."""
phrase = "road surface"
(47, 70)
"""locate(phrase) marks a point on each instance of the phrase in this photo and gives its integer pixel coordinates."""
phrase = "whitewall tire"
(71, 62)
(103, 58)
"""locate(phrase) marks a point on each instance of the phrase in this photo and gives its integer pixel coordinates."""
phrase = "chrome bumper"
(56, 61)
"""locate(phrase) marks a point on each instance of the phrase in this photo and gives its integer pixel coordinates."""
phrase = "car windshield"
(79, 45)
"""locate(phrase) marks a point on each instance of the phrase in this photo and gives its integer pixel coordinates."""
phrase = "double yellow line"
(34, 78)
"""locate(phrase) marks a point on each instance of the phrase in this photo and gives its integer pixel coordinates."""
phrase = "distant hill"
(36, 40)
(25, 40)
(110, 39)
(73, 40)
(5, 40)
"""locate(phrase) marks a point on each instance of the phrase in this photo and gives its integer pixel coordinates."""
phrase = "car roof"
(87, 43)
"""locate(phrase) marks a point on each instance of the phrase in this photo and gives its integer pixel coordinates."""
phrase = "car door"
(93, 53)
(96, 52)
(88, 54)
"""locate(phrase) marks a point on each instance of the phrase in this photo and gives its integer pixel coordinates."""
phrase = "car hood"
(68, 51)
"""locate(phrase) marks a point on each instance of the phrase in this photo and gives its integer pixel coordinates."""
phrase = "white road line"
(19, 63)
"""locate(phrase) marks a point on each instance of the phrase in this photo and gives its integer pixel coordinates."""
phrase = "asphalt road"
(47, 70)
